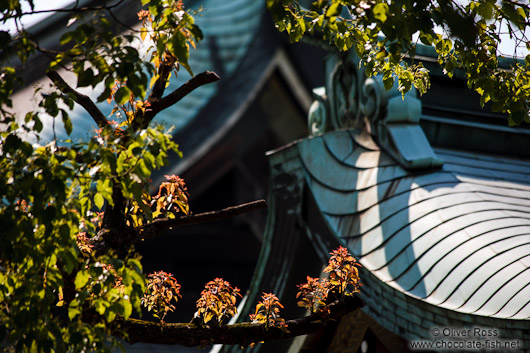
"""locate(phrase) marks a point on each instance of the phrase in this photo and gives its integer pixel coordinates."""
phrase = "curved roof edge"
(340, 188)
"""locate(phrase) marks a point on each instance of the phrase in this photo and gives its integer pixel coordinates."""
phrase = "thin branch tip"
(159, 103)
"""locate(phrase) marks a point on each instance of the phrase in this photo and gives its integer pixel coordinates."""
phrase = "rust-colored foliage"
(172, 197)
(162, 290)
(313, 294)
(83, 243)
(217, 302)
(268, 312)
(343, 280)
(143, 15)
(343, 272)
(22, 205)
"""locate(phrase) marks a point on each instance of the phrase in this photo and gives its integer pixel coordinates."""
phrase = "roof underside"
(455, 237)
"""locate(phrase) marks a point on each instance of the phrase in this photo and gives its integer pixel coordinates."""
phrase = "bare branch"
(121, 23)
(154, 228)
(192, 334)
(79, 98)
(73, 9)
(158, 104)
(201, 79)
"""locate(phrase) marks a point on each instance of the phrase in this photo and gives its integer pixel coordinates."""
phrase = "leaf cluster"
(112, 288)
(217, 302)
(96, 55)
(385, 34)
(162, 290)
(343, 273)
(171, 30)
(343, 281)
(268, 312)
(172, 197)
(313, 294)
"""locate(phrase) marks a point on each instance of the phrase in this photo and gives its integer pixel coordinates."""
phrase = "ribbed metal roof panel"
(457, 237)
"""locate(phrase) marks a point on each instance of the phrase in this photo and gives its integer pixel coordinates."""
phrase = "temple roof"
(456, 237)
(440, 225)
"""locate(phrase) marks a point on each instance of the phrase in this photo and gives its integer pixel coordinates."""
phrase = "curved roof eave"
(449, 240)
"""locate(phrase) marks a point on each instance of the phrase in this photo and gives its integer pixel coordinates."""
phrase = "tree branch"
(154, 228)
(192, 334)
(201, 79)
(158, 104)
(79, 98)
(73, 9)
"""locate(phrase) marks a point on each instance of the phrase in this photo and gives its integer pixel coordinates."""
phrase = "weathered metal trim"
(350, 99)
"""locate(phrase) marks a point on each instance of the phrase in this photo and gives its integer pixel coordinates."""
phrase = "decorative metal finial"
(352, 100)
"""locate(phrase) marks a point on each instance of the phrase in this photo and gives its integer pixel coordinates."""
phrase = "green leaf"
(110, 315)
(486, 10)
(85, 78)
(142, 170)
(134, 148)
(137, 85)
(99, 201)
(187, 67)
(100, 306)
(516, 118)
(104, 187)
(66, 38)
(380, 12)
(135, 264)
(127, 308)
(197, 33)
(67, 122)
(73, 311)
(12, 143)
(120, 163)
(122, 95)
(69, 260)
(81, 279)
(177, 45)
(388, 81)
(334, 10)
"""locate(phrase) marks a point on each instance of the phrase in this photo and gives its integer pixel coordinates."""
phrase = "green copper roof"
(445, 237)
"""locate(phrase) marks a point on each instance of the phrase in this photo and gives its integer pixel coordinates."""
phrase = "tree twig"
(79, 98)
(201, 79)
(157, 104)
(154, 228)
(192, 334)
(73, 9)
